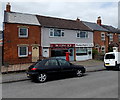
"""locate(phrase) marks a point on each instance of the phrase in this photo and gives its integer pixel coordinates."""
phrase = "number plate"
(107, 64)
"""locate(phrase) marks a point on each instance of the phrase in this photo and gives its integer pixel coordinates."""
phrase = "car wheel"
(79, 73)
(42, 77)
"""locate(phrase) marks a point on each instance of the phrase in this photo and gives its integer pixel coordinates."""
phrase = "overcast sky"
(86, 11)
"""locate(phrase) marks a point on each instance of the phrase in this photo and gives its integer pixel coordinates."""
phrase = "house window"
(56, 33)
(81, 51)
(110, 37)
(82, 34)
(103, 49)
(23, 51)
(103, 36)
(119, 37)
(23, 32)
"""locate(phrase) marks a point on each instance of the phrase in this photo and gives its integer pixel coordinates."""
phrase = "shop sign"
(84, 45)
(62, 45)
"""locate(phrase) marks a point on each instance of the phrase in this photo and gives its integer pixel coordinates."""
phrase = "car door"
(52, 66)
(65, 66)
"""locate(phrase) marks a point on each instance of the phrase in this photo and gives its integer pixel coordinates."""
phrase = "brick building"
(100, 38)
(22, 37)
(105, 37)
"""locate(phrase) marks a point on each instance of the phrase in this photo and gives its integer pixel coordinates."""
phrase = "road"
(101, 84)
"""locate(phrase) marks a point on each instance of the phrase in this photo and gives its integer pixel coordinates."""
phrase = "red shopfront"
(59, 50)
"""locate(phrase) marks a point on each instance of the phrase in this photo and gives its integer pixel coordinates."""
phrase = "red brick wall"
(11, 40)
(116, 40)
(97, 40)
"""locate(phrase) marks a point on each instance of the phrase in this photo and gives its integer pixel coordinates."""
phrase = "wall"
(69, 37)
(116, 40)
(11, 40)
(97, 40)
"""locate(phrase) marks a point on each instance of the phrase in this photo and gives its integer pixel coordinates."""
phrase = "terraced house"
(29, 37)
(105, 36)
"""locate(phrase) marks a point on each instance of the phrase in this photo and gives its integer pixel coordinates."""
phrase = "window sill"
(23, 56)
(23, 37)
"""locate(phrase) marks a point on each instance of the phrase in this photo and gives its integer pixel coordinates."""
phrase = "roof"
(94, 26)
(21, 18)
(111, 29)
(61, 23)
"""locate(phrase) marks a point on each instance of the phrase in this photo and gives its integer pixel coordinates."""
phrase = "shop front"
(83, 51)
(59, 50)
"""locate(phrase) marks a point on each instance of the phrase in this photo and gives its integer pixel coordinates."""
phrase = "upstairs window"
(82, 34)
(56, 33)
(111, 37)
(23, 32)
(103, 36)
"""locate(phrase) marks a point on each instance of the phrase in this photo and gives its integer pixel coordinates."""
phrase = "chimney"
(8, 7)
(99, 20)
(77, 19)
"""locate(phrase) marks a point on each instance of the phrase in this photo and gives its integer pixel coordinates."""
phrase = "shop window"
(103, 49)
(58, 53)
(23, 32)
(103, 36)
(56, 33)
(82, 34)
(110, 37)
(23, 51)
(81, 51)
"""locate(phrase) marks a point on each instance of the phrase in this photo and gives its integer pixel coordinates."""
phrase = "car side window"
(63, 62)
(51, 63)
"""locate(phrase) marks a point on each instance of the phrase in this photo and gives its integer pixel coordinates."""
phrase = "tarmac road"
(101, 84)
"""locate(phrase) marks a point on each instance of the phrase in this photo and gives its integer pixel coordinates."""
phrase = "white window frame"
(53, 32)
(86, 36)
(110, 37)
(22, 55)
(102, 36)
(23, 36)
(103, 51)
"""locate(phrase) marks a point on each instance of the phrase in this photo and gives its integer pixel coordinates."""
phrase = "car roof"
(54, 58)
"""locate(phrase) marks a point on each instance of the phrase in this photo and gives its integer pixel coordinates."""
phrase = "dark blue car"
(41, 70)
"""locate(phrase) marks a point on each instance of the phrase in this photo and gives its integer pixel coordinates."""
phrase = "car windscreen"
(37, 64)
(110, 56)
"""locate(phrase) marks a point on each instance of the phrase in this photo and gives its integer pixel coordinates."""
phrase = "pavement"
(0, 56)
(90, 65)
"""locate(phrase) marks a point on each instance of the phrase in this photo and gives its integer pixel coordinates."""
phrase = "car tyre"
(42, 77)
(79, 73)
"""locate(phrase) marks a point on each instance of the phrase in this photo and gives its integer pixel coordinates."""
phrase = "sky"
(85, 11)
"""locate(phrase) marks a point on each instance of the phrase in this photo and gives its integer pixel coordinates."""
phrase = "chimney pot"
(77, 19)
(8, 7)
(99, 21)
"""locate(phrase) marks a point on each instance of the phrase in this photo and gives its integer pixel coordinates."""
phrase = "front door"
(35, 53)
